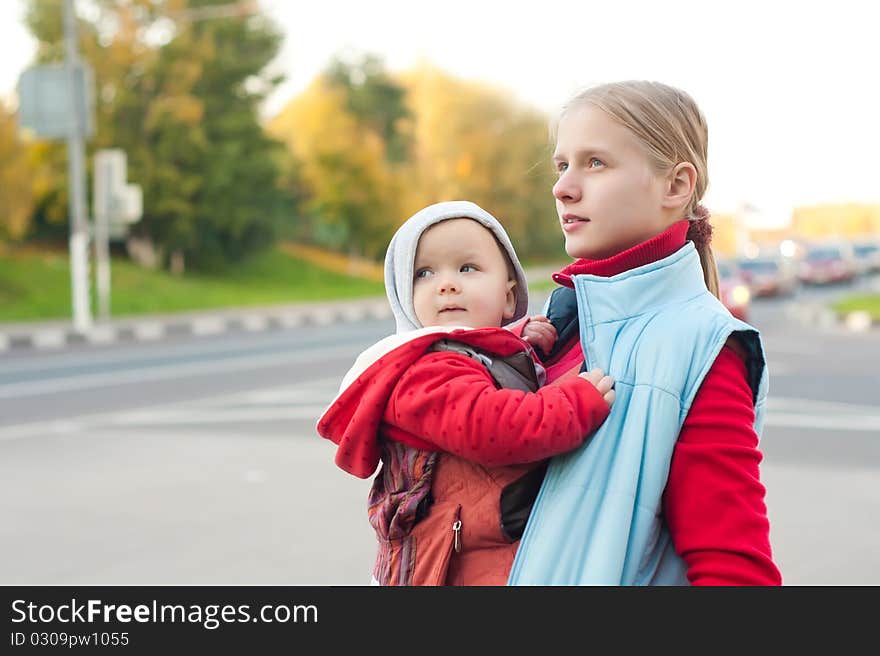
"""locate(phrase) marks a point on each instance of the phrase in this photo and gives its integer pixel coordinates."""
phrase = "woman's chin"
(579, 251)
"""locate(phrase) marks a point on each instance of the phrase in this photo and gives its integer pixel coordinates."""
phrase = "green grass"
(36, 286)
(867, 302)
(543, 285)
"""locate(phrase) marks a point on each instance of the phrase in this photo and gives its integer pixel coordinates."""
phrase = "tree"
(375, 99)
(17, 173)
(454, 140)
(351, 189)
(181, 96)
(475, 142)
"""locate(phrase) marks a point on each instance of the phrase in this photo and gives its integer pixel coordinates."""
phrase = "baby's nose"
(448, 285)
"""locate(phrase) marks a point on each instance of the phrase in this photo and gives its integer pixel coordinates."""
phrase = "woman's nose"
(565, 190)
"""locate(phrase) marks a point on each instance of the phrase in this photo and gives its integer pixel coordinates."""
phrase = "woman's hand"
(603, 383)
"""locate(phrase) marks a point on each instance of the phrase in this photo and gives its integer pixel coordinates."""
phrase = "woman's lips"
(571, 222)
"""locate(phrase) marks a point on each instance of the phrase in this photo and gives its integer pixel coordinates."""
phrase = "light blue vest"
(598, 516)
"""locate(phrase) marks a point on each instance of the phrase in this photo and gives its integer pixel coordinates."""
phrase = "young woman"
(668, 490)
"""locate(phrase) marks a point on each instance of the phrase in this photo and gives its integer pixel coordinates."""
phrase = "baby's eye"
(596, 163)
(423, 273)
(465, 268)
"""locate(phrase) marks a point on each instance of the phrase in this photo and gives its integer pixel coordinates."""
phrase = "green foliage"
(179, 92)
(375, 99)
(869, 303)
(373, 148)
(350, 188)
(362, 148)
(477, 143)
(34, 286)
(16, 175)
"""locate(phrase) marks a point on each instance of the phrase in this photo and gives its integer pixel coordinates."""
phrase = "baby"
(452, 405)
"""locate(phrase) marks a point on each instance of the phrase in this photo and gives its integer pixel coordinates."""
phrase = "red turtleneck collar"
(656, 248)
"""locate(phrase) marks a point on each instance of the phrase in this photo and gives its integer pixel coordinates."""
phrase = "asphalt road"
(195, 461)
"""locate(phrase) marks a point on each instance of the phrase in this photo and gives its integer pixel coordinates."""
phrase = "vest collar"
(656, 248)
(673, 279)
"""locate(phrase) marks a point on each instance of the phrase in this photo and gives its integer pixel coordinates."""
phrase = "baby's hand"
(603, 383)
(540, 332)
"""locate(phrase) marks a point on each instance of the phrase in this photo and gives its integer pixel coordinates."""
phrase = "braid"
(700, 232)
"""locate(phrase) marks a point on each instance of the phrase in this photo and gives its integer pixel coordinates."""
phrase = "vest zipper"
(456, 535)
(584, 307)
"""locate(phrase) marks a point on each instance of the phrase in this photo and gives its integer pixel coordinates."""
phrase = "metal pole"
(102, 236)
(102, 272)
(79, 227)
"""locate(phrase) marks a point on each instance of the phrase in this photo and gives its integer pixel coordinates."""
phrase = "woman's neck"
(656, 248)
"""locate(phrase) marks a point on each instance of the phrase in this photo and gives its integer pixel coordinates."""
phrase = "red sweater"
(714, 499)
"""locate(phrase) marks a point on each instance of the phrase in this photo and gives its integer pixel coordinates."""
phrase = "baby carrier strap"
(516, 371)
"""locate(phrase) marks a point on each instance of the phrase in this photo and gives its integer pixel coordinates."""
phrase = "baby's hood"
(401, 255)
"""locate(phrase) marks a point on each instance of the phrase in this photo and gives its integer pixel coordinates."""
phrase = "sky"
(789, 89)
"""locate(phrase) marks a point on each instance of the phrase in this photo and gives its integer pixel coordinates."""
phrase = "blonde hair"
(672, 129)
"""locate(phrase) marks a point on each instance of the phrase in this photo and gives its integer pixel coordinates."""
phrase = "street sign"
(45, 101)
(132, 206)
(110, 170)
(113, 199)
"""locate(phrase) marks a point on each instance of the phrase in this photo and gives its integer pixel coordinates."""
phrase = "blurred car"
(828, 263)
(735, 294)
(768, 276)
(867, 254)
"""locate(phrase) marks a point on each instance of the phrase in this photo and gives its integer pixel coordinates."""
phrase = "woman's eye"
(561, 168)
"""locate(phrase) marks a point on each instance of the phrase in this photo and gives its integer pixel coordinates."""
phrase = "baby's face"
(461, 277)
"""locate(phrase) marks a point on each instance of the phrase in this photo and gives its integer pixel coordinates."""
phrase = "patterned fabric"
(399, 497)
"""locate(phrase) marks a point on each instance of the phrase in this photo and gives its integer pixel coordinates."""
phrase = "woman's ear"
(682, 181)
(510, 300)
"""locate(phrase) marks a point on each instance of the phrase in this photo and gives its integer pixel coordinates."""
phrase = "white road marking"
(306, 402)
(790, 412)
(217, 416)
(820, 422)
(793, 403)
(169, 371)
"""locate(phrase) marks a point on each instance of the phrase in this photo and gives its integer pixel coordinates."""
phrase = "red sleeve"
(714, 499)
(450, 401)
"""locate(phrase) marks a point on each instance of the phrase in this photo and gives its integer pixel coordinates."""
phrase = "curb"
(56, 335)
